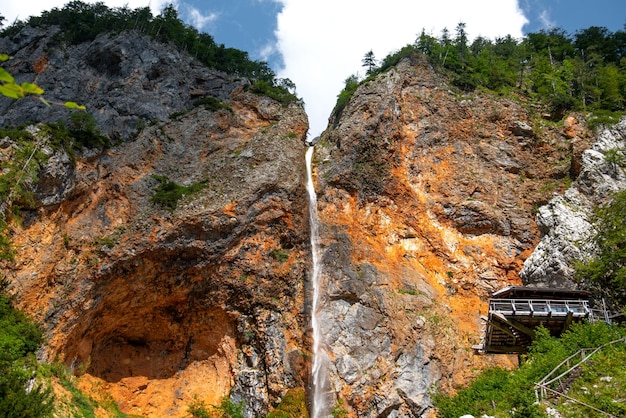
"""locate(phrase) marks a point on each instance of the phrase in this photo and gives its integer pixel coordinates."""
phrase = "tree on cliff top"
(369, 62)
(581, 72)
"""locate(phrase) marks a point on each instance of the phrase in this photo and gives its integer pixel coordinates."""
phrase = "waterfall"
(319, 378)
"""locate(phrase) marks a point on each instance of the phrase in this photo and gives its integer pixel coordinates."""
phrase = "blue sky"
(573, 15)
(319, 43)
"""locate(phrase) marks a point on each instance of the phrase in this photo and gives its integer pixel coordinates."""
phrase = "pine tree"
(369, 61)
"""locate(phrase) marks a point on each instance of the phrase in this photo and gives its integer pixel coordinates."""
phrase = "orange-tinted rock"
(426, 198)
(157, 308)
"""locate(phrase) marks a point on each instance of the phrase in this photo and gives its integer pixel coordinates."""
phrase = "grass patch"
(280, 94)
(280, 255)
(226, 409)
(168, 193)
(293, 405)
(211, 103)
(603, 117)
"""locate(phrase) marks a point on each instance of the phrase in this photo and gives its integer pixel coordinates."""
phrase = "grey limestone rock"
(125, 80)
(565, 222)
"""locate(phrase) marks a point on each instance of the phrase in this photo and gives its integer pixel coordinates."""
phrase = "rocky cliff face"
(427, 200)
(158, 307)
(426, 196)
(127, 81)
(565, 222)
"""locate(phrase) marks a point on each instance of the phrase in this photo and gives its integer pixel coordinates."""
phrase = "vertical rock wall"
(158, 307)
(426, 198)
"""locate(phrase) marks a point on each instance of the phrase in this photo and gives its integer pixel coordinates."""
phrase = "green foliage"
(198, 409)
(211, 103)
(502, 393)
(226, 409)
(351, 84)
(339, 410)
(276, 92)
(79, 404)
(19, 339)
(108, 242)
(408, 51)
(9, 88)
(292, 405)
(168, 193)
(7, 252)
(78, 133)
(230, 409)
(82, 127)
(607, 270)
(17, 176)
(369, 62)
(616, 158)
(281, 255)
(602, 117)
(20, 172)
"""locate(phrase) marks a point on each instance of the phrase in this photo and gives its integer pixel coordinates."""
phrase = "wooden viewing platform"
(515, 312)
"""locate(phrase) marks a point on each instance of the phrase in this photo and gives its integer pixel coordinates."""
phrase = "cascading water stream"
(320, 407)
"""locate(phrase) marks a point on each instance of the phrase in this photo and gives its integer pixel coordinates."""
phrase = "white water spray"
(320, 407)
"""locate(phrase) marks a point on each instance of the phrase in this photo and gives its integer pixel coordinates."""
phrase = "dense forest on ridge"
(586, 71)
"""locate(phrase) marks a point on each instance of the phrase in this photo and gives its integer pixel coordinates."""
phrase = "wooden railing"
(540, 307)
(563, 369)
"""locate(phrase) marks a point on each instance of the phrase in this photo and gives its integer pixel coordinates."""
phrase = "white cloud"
(546, 22)
(268, 50)
(197, 19)
(323, 41)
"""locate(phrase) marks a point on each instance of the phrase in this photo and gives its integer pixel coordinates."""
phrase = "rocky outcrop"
(151, 306)
(126, 81)
(566, 221)
(426, 199)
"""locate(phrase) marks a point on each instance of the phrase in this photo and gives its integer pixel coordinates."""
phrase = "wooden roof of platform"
(525, 292)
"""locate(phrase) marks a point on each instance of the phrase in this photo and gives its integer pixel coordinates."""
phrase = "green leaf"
(11, 90)
(73, 105)
(5, 76)
(31, 88)
(4, 57)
